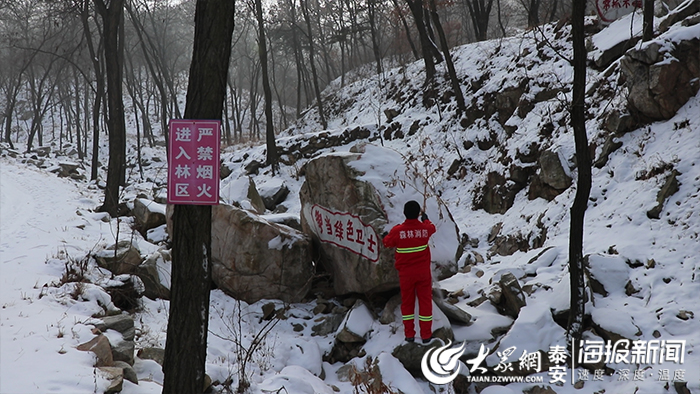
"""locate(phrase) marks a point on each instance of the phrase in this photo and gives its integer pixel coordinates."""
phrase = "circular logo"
(441, 365)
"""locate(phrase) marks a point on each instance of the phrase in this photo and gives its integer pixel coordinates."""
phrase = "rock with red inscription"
(350, 199)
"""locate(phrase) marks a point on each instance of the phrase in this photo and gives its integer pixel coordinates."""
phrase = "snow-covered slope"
(646, 266)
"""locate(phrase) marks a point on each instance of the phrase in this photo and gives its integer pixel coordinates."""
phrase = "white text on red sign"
(193, 162)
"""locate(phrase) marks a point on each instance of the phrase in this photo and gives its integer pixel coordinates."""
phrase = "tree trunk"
(416, 7)
(317, 89)
(480, 11)
(408, 31)
(298, 55)
(648, 33)
(112, 19)
(533, 13)
(583, 184)
(272, 159)
(186, 343)
(99, 93)
(456, 88)
(375, 34)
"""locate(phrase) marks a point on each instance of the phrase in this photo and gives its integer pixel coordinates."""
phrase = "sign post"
(193, 187)
(193, 162)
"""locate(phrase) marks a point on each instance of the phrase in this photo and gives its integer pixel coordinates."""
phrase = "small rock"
(120, 323)
(116, 377)
(540, 390)
(410, 355)
(681, 387)
(152, 353)
(328, 325)
(552, 171)
(100, 346)
(452, 312)
(669, 188)
(272, 193)
(124, 261)
(153, 272)
(390, 114)
(268, 311)
(224, 171)
(207, 383)
(320, 308)
(149, 214)
(253, 167)
(388, 316)
(343, 373)
(124, 351)
(67, 168)
(685, 315)
(339, 310)
(128, 371)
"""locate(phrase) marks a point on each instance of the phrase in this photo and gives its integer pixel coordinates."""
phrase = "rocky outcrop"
(292, 149)
(681, 13)
(255, 259)
(346, 207)
(661, 77)
(551, 179)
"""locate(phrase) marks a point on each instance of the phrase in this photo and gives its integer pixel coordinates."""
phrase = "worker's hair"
(411, 210)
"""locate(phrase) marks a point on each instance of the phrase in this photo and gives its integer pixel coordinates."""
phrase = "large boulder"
(661, 77)
(349, 199)
(254, 259)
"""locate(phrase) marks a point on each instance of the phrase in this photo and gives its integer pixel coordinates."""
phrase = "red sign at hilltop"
(610, 10)
(193, 162)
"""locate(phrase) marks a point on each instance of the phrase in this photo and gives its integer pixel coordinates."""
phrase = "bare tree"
(186, 343)
(583, 183)
(372, 17)
(399, 11)
(312, 62)
(454, 80)
(428, 48)
(272, 159)
(113, 30)
(480, 11)
(648, 33)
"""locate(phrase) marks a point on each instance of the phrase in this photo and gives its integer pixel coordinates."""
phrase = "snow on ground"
(39, 326)
(47, 222)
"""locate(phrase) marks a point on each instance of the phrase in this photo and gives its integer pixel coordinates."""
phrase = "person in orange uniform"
(412, 260)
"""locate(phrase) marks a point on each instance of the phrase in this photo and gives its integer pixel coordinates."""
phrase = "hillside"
(506, 171)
